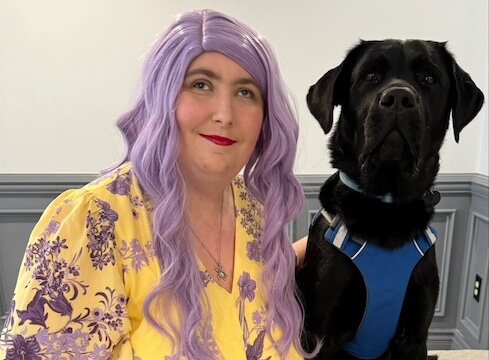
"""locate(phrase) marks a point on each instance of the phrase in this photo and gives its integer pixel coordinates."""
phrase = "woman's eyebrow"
(202, 71)
(247, 81)
(215, 76)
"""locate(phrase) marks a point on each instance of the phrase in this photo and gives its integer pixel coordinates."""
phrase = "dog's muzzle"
(394, 131)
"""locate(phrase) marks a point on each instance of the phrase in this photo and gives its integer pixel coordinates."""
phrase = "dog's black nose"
(397, 99)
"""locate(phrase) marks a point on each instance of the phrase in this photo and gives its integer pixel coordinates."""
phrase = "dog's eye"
(428, 80)
(371, 77)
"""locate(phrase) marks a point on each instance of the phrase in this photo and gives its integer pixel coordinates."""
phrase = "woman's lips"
(218, 140)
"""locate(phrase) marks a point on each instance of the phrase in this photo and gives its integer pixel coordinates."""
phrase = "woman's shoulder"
(119, 186)
(114, 194)
(119, 181)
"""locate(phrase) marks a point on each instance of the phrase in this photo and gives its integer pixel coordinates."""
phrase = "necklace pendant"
(221, 275)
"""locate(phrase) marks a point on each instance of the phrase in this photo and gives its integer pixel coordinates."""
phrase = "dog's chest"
(386, 274)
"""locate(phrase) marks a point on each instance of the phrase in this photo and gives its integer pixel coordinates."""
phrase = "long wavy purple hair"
(151, 137)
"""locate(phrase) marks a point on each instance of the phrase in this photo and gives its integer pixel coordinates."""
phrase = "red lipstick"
(218, 140)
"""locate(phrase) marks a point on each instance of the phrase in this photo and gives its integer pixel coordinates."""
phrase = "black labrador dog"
(370, 282)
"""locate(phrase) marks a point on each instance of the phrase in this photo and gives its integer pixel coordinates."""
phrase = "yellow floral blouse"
(89, 265)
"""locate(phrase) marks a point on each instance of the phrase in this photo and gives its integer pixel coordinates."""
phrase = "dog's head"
(396, 98)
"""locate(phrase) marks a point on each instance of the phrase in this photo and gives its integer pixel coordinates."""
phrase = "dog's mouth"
(392, 152)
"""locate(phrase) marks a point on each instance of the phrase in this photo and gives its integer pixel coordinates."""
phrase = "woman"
(171, 254)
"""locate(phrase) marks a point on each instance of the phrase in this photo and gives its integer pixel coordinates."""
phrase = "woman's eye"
(201, 85)
(246, 93)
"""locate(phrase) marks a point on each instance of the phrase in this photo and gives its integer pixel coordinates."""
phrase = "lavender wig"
(151, 136)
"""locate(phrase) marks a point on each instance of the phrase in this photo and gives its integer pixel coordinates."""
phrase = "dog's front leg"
(333, 294)
(417, 312)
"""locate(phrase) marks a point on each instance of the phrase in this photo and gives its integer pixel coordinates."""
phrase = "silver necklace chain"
(221, 274)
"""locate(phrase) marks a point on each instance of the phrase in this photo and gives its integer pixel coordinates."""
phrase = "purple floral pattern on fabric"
(24, 349)
(91, 332)
(205, 277)
(70, 342)
(121, 185)
(100, 232)
(205, 336)
(259, 316)
(249, 214)
(253, 250)
(138, 255)
(57, 284)
(254, 332)
(247, 287)
(254, 348)
(255, 351)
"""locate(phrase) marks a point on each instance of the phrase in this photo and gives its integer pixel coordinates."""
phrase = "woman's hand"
(300, 251)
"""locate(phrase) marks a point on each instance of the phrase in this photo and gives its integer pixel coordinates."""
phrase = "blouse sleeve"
(69, 301)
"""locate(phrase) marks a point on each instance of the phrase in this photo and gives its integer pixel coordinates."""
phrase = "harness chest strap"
(386, 274)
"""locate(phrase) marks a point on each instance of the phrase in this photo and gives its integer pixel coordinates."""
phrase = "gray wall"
(462, 247)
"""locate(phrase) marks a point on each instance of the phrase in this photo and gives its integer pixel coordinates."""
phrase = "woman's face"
(219, 112)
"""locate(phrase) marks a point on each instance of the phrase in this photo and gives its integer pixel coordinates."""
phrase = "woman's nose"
(224, 112)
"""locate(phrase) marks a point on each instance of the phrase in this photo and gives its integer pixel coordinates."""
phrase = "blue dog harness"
(386, 273)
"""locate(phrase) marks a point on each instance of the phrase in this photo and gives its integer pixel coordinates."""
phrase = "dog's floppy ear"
(467, 99)
(321, 98)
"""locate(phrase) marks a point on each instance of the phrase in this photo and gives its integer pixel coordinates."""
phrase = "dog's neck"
(431, 197)
(352, 184)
